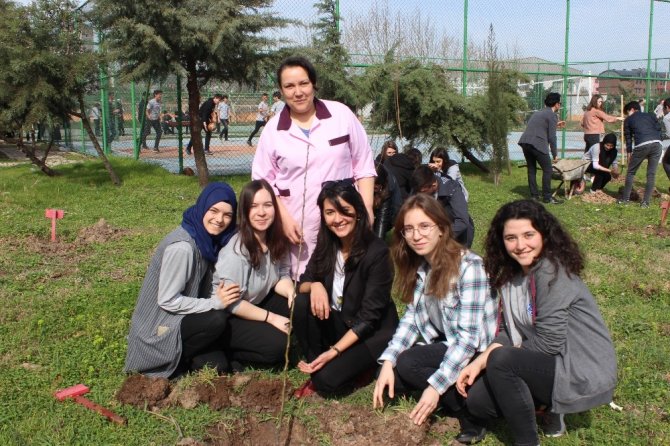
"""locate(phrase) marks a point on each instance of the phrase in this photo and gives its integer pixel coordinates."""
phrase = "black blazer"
(367, 307)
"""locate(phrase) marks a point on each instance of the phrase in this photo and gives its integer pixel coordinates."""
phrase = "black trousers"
(666, 162)
(515, 381)
(156, 124)
(533, 156)
(257, 342)
(208, 138)
(259, 124)
(590, 139)
(224, 132)
(600, 178)
(200, 341)
(413, 368)
(316, 336)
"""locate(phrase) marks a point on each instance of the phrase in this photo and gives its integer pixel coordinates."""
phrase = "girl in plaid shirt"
(450, 317)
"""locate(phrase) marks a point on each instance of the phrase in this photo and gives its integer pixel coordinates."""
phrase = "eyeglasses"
(423, 229)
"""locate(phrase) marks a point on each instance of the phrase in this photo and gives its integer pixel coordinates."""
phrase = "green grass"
(66, 307)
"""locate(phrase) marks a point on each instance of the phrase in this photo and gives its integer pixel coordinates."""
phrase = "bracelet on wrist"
(267, 315)
(337, 350)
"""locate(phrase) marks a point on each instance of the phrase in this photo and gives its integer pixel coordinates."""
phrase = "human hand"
(316, 365)
(385, 379)
(228, 294)
(292, 229)
(467, 376)
(426, 405)
(433, 167)
(319, 301)
(279, 322)
(560, 124)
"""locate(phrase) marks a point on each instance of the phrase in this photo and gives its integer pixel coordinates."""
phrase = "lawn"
(67, 306)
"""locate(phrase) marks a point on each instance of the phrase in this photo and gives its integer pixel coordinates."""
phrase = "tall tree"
(197, 39)
(497, 123)
(329, 56)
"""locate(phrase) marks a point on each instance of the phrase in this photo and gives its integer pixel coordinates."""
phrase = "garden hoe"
(76, 392)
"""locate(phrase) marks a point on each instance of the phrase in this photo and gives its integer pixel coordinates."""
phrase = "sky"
(600, 30)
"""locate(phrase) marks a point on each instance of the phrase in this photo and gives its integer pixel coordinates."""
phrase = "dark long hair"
(446, 262)
(557, 244)
(327, 243)
(275, 239)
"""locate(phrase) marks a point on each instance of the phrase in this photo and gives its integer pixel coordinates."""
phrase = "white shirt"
(336, 295)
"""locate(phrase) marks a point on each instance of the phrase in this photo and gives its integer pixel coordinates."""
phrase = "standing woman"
(593, 121)
(553, 348)
(176, 324)
(344, 316)
(311, 141)
(450, 316)
(256, 261)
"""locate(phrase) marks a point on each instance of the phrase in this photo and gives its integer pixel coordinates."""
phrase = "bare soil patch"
(342, 424)
(101, 232)
(598, 197)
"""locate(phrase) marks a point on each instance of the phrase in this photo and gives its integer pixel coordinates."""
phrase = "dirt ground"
(339, 423)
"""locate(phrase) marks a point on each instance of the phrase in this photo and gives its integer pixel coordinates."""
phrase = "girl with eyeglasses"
(450, 316)
(344, 316)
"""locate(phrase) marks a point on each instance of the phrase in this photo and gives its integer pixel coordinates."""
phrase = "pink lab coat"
(338, 149)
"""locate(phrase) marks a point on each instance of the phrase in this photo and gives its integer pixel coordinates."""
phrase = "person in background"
(261, 117)
(450, 316)
(643, 142)
(593, 119)
(537, 141)
(444, 166)
(209, 117)
(94, 115)
(603, 164)
(310, 142)
(665, 160)
(153, 114)
(344, 316)
(386, 202)
(553, 350)
(255, 260)
(277, 104)
(177, 324)
(450, 195)
(414, 155)
(224, 117)
(399, 165)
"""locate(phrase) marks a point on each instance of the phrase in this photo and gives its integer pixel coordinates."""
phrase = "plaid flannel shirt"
(469, 314)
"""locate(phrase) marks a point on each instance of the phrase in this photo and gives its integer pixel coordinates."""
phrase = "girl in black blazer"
(344, 316)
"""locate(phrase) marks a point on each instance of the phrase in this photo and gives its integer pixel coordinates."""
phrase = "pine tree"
(197, 39)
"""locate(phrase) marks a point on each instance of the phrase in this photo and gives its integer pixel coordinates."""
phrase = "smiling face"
(421, 233)
(439, 162)
(342, 224)
(218, 218)
(261, 212)
(297, 90)
(523, 242)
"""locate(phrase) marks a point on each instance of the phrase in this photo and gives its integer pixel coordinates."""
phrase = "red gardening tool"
(53, 214)
(76, 392)
(664, 211)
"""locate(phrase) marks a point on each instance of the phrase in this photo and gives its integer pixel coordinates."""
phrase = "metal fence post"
(136, 141)
(464, 91)
(651, 24)
(565, 74)
(180, 140)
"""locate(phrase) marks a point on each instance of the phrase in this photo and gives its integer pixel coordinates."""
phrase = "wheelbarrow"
(570, 172)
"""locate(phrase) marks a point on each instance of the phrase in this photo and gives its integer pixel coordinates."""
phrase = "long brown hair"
(445, 265)
(593, 103)
(275, 239)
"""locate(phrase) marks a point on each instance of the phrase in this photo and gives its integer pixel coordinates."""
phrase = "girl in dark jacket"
(344, 316)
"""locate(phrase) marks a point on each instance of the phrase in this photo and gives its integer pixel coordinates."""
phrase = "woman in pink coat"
(593, 121)
(312, 141)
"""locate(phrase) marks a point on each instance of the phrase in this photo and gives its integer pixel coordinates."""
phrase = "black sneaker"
(553, 424)
(552, 200)
(644, 204)
(249, 142)
(471, 431)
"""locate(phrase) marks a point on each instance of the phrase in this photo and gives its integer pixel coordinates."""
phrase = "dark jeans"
(156, 124)
(200, 334)
(413, 368)
(591, 139)
(515, 381)
(224, 132)
(259, 124)
(651, 153)
(600, 178)
(532, 156)
(316, 336)
(257, 342)
(208, 138)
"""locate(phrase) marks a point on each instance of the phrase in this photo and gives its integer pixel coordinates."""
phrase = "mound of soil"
(343, 424)
(142, 391)
(598, 197)
(100, 232)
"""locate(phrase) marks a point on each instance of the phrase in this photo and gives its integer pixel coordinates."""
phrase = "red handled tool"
(76, 392)
(53, 214)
